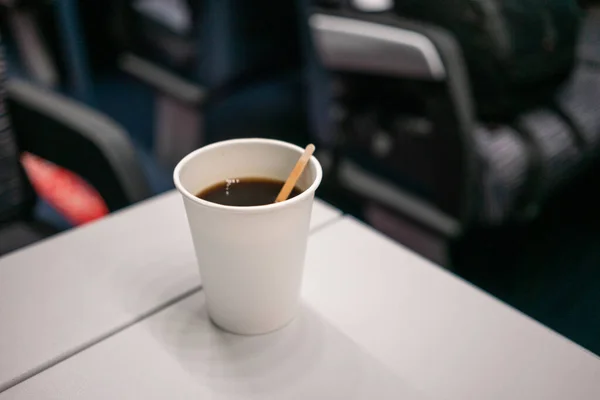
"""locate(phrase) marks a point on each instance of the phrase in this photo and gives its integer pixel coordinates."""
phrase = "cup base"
(244, 331)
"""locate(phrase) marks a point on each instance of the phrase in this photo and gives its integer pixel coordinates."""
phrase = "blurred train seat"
(249, 61)
(214, 69)
(71, 135)
(48, 39)
(22, 24)
(158, 44)
(47, 35)
(410, 143)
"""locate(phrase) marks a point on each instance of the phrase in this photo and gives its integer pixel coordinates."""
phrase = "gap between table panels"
(155, 310)
(65, 356)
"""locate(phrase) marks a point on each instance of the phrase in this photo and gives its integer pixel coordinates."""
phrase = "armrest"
(79, 139)
(162, 80)
(388, 46)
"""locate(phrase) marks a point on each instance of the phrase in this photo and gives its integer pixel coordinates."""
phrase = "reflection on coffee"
(245, 192)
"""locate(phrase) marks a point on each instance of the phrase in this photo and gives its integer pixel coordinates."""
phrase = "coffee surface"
(245, 192)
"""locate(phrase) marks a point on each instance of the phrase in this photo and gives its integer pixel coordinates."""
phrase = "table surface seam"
(153, 311)
(61, 358)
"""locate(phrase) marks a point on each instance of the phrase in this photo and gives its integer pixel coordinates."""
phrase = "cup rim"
(246, 209)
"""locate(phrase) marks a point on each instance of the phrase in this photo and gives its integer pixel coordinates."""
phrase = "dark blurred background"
(467, 130)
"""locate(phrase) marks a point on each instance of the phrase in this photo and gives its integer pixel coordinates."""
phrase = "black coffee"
(245, 192)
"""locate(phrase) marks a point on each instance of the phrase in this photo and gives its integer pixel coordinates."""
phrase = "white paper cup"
(251, 259)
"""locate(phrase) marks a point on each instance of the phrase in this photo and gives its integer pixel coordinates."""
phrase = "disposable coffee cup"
(251, 259)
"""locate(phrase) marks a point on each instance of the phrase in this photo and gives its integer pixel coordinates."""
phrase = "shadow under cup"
(250, 258)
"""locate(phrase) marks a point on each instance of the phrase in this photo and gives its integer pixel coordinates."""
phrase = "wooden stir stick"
(290, 183)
